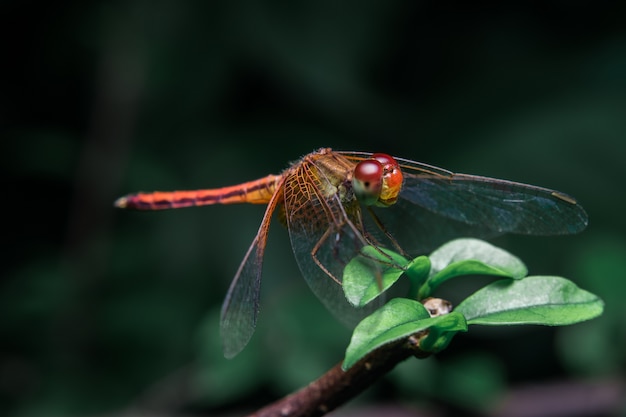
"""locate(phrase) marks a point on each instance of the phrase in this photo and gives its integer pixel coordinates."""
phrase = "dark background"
(106, 312)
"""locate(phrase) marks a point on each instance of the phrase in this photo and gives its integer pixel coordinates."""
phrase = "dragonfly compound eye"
(367, 181)
(386, 160)
(391, 179)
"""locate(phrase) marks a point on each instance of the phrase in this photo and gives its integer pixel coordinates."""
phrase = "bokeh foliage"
(105, 310)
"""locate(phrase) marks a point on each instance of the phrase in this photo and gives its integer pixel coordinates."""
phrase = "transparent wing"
(325, 235)
(417, 230)
(241, 305)
(498, 205)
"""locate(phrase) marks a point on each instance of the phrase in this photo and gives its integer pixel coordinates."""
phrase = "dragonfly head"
(377, 181)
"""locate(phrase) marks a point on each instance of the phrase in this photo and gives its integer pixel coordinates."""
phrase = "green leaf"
(470, 257)
(370, 273)
(545, 300)
(441, 331)
(398, 319)
(477, 250)
(417, 271)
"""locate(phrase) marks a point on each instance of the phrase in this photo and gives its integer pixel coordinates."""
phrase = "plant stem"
(337, 386)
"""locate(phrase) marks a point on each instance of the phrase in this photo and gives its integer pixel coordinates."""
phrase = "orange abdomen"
(254, 192)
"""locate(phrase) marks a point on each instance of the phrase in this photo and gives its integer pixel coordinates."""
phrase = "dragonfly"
(334, 203)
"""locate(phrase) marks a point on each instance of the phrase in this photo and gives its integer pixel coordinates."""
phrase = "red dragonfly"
(334, 203)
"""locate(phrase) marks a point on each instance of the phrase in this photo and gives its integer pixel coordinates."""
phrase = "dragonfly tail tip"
(121, 202)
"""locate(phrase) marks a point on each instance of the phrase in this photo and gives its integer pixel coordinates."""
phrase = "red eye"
(385, 160)
(369, 171)
(367, 181)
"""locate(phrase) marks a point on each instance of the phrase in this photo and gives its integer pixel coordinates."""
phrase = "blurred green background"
(104, 312)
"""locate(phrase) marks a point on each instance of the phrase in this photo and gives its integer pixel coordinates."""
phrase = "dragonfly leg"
(316, 249)
(389, 236)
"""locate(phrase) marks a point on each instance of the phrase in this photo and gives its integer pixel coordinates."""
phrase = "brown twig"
(337, 386)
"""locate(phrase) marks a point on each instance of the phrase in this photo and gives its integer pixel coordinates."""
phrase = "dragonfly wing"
(336, 249)
(417, 230)
(496, 205)
(324, 238)
(241, 305)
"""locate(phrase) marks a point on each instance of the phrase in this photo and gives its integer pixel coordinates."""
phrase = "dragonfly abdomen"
(254, 192)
